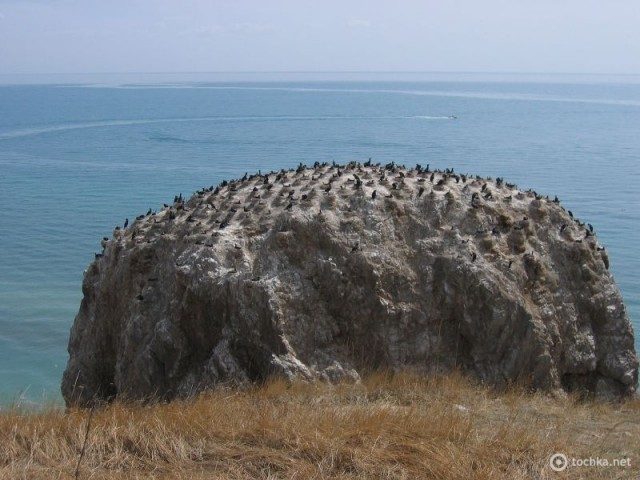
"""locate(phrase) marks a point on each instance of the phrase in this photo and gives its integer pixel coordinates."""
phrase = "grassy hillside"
(390, 426)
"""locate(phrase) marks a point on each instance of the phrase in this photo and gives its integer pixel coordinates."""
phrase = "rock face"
(332, 271)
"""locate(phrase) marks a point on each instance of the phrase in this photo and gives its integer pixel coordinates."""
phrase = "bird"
(373, 194)
(510, 263)
(421, 191)
(474, 256)
(358, 181)
(355, 247)
(564, 225)
(126, 222)
(590, 227)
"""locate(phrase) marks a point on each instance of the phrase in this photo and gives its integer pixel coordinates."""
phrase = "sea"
(80, 153)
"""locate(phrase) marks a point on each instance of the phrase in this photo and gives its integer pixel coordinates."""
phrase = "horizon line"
(464, 72)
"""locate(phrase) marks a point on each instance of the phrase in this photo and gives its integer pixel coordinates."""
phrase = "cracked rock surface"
(332, 271)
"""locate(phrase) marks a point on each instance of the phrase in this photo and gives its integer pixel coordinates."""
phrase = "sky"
(76, 36)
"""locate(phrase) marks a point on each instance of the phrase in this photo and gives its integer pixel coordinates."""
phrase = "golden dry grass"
(389, 426)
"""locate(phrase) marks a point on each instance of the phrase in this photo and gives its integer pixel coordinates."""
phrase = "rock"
(286, 276)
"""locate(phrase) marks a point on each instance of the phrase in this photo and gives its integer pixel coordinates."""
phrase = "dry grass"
(390, 426)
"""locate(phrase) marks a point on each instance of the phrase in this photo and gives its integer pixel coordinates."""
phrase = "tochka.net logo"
(560, 462)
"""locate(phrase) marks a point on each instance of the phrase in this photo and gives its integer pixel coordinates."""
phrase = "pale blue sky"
(63, 36)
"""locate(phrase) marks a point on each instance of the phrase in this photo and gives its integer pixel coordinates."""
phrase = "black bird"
(149, 212)
(99, 255)
(570, 213)
(358, 181)
(564, 225)
(474, 256)
(510, 263)
(140, 297)
(433, 175)
(126, 222)
(556, 199)
(590, 227)
(373, 195)
(244, 178)
(484, 187)
(355, 247)
(421, 191)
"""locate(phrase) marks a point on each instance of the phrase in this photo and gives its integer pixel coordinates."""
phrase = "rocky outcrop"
(329, 272)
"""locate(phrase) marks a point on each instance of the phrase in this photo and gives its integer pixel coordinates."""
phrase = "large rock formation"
(329, 272)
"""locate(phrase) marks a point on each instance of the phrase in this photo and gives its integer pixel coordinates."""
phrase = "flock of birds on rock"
(215, 208)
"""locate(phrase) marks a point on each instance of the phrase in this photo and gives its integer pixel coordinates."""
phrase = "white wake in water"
(39, 130)
(433, 93)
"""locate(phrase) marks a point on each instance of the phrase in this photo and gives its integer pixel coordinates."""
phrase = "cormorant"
(421, 191)
(373, 195)
(474, 256)
(510, 263)
(564, 225)
(126, 222)
(590, 227)
(358, 181)
(433, 175)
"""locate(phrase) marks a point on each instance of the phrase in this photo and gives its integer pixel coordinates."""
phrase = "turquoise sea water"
(76, 159)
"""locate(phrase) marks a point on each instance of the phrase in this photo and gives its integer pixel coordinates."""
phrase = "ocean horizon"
(80, 153)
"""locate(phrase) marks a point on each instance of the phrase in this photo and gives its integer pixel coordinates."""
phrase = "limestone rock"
(309, 274)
